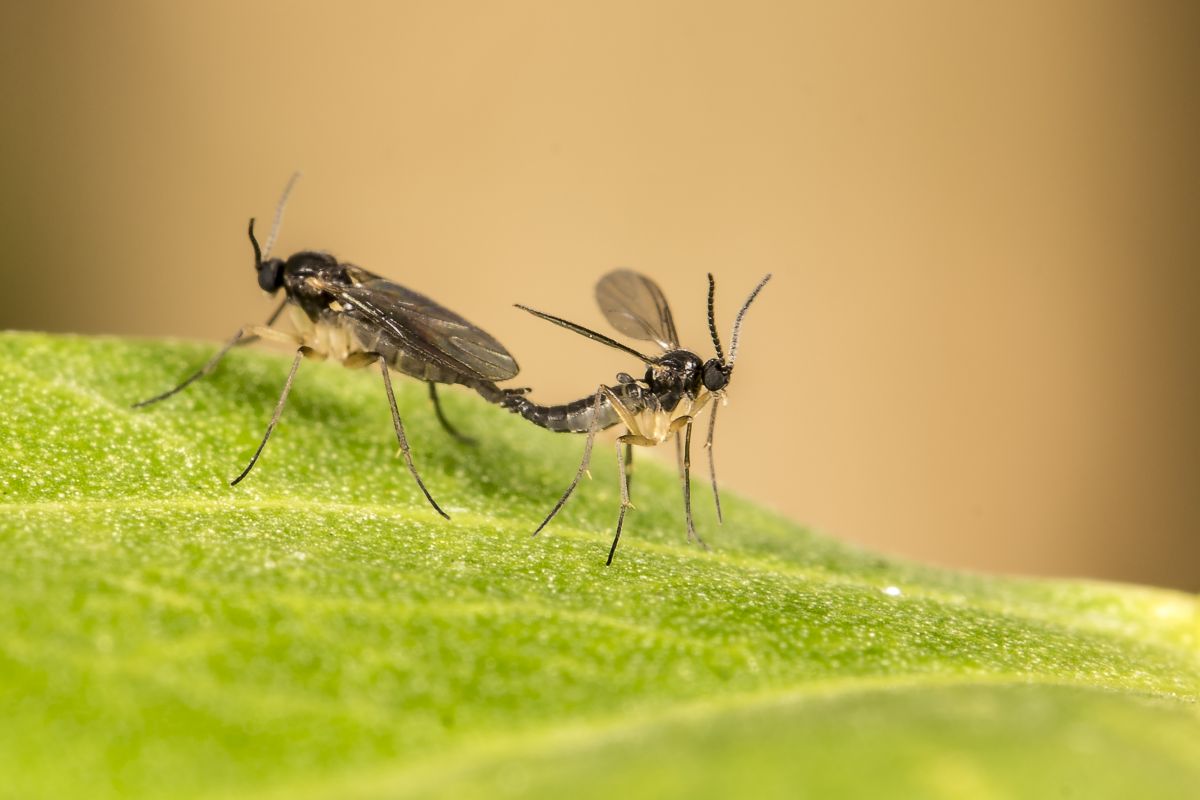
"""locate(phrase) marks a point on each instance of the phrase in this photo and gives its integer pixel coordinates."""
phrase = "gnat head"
(270, 270)
(717, 372)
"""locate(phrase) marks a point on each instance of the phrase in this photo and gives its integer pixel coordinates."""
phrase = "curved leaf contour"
(318, 632)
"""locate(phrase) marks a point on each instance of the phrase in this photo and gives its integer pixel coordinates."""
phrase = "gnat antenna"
(712, 321)
(287, 190)
(737, 323)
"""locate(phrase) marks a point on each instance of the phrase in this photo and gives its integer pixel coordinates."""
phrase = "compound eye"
(715, 376)
(269, 275)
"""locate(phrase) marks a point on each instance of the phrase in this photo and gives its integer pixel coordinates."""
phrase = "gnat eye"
(270, 275)
(716, 375)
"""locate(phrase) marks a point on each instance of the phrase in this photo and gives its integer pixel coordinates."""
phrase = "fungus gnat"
(675, 388)
(343, 312)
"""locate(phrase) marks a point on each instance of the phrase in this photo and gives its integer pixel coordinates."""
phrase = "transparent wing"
(634, 305)
(424, 329)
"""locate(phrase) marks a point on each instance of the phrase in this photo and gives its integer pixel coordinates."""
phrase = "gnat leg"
(287, 387)
(437, 407)
(624, 452)
(245, 336)
(583, 465)
(687, 480)
(712, 464)
(402, 439)
(679, 454)
(629, 464)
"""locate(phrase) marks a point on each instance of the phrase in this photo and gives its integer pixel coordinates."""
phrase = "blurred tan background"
(980, 346)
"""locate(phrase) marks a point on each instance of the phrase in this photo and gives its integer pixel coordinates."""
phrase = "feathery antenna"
(279, 209)
(737, 323)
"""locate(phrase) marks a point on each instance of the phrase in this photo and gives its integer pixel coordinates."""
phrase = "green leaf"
(318, 632)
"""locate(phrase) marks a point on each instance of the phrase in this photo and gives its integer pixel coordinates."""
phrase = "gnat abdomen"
(643, 414)
(340, 337)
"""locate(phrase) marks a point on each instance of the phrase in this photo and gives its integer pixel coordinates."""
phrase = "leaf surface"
(317, 631)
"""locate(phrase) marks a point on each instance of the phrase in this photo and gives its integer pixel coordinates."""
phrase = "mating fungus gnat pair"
(344, 312)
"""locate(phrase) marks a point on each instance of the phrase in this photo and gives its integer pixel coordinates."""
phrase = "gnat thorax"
(676, 373)
(307, 275)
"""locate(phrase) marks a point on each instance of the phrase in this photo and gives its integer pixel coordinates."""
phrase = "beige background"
(980, 344)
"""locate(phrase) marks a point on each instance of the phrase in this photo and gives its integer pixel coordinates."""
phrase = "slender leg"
(624, 451)
(583, 465)
(402, 439)
(629, 464)
(241, 337)
(359, 360)
(687, 485)
(437, 407)
(287, 387)
(712, 464)
(679, 454)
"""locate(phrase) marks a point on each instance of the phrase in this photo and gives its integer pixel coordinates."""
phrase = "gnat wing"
(634, 305)
(416, 325)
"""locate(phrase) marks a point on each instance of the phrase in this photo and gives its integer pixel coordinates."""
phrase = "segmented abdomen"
(576, 416)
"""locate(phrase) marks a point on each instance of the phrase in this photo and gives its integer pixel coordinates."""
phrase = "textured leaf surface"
(319, 632)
